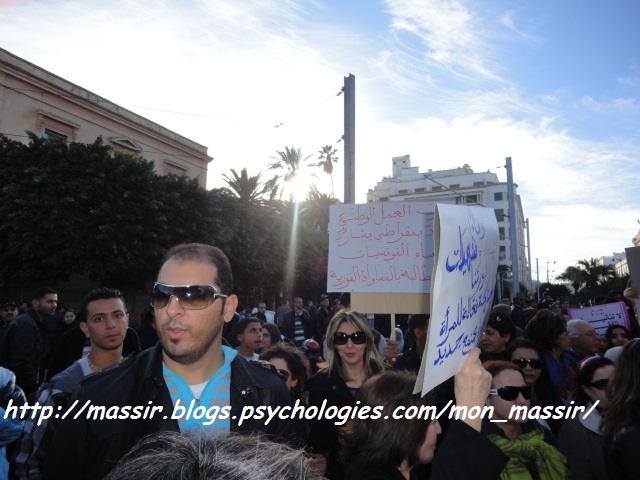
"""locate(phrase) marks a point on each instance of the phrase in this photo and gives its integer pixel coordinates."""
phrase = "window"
(478, 184)
(501, 233)
(503, 253)
(51, 135)
(400, 192)
(454, 186)
(467, 200)
(420, 190)
(52, 127)
(497, 196)
(174, 169)
(499, 214)
(384, 199)
(436, 188)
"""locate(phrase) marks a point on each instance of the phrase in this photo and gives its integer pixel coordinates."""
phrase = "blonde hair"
(372, 362)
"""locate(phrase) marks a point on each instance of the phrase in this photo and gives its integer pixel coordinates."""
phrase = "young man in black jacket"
(188, 381)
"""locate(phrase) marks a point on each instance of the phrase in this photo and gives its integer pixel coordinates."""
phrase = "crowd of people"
(170, 398)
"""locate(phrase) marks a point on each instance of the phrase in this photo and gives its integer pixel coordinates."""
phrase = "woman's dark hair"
(502, 323)
(609, 333)
(274, 332)
(495, 367)
(382, 442)
(586, 370)
(296, 361)
(624, 390)
(544, 328)
(525, 343)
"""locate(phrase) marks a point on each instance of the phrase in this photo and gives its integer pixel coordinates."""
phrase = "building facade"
(461, 186)
(33, 99)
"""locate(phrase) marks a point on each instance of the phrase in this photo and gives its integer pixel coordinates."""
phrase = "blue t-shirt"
(211, 411)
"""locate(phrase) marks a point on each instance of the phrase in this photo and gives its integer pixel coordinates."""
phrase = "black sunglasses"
(341, 338)
(600, 384)
(534, 363)
(190, 297)
(511, 393)
(284, 373)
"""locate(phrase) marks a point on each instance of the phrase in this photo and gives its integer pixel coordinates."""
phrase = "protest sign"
(466, 245)
(381, 247)
(633, 262)
(603, 316)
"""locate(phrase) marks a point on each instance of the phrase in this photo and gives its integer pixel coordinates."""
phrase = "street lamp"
(548, 262)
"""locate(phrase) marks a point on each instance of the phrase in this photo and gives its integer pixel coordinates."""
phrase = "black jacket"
(289, 325)
(84, 448)
(21, 350)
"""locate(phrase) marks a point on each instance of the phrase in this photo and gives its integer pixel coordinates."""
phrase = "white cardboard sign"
(463, 282)
(381, 247)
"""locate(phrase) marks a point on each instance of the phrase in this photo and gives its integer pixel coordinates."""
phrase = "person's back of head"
(197, 456)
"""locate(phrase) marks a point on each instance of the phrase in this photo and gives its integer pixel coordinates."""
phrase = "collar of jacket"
(243, 373)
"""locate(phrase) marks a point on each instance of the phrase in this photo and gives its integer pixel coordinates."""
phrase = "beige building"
(33, 99)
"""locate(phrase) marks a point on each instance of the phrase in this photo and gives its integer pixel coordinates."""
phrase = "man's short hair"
(102, 293)
(200, 252)
(574, 326)
(242, 325)
(40, 293)
(193, 455)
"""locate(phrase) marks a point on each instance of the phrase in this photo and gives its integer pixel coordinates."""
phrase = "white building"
(460, 186)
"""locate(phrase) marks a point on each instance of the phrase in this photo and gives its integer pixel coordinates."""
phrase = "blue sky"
(552, 84)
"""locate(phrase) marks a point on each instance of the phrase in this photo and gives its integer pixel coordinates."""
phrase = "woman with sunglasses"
(621, 424)
(294, 367)
(581, 435)
(550, 332)
(351, 359)
(529, 446)
(527, 356)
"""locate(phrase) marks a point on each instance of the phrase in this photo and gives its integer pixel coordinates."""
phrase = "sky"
(553, 85)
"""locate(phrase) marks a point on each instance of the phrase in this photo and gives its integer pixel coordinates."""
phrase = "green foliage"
(589, 279)
(85, 209)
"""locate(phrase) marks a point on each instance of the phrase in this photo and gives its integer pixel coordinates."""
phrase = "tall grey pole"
(529, 254)
(350, 139)
(513, 235)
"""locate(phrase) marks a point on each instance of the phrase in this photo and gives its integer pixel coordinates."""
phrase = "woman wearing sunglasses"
(581, 435)
(529, 446)
(351, 359)
(621, 425)
(550, 332)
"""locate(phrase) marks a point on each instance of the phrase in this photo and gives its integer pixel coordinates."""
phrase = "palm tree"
(290, 161)
(328, 158)
(250, 189)
(316, 208)
(588, 277)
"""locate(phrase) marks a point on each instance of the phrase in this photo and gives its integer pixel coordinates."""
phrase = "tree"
(289, 162)
(316, 209)
(327, 159)
(73, 209)
(587, 278)
(250, 189)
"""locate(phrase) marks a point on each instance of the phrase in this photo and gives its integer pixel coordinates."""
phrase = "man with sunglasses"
(189, 368)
